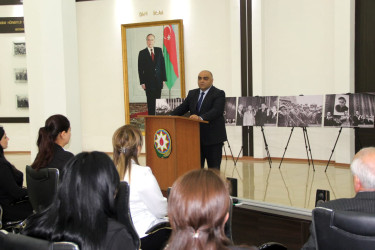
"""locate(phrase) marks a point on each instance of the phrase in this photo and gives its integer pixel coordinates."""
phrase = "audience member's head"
(127, 144)
(3, 142)
(363, 169)
(55, 131)
(84, 201)
(198, 208)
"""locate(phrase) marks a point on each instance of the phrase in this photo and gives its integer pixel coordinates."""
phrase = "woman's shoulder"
(118, 236)
(62, 153)
(140, 169)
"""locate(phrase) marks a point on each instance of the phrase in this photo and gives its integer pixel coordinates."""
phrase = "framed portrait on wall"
(19, 48)
(22, 101)
(153, 66)
(20, 75)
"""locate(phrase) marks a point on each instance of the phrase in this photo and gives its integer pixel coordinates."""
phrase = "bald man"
(363, 170)
(207, 103)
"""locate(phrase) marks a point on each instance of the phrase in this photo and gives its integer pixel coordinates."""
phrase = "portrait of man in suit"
(151, 72)
(207, 103)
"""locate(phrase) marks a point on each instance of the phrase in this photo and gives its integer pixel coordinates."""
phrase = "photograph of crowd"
(166, 106)
(230, 111)
(300, 111)
(19, 48)
(22, 101)
(349, 110)
(257, 111)
(20, 75)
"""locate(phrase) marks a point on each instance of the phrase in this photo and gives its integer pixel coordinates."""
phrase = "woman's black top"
(60, 157)
(11, 181)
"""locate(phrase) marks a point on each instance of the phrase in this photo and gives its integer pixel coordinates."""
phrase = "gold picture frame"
(134, 40)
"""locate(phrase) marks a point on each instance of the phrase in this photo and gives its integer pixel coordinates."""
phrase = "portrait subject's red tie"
(152, 55)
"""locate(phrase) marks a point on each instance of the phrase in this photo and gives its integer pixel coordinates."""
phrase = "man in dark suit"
(207, 103)
(151, 71)
(363, 169)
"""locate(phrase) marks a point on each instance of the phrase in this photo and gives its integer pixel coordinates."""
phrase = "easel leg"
(235, 162)
(333, 150)
(231, 153)
(307, 151)
(308, 143)
(266, 147)
(282, 158)
(356, 133)
(225, 153)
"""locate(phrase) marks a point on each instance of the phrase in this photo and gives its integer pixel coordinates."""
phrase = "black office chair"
(123, 211)
(272, 246)
(11, 226)
(41, 186)
(343, 229)
(228, 224)
(11, 241)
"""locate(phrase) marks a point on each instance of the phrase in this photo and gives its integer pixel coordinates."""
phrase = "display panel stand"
(333, 150)
(307, 146)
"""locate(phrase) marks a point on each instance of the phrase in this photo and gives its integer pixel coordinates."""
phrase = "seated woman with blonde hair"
(148, 207)
(198, 208)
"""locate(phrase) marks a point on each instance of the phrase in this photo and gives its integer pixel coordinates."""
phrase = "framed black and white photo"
(230, 111)
(166, 106)
(19, 48)
(300, 111)
(20, 75)
(22, 101)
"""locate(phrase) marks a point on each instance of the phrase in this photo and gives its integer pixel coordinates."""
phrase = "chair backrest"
(11, 241)
(1, 217)
(228, 224)
(41, 186)
(123, 211)
(343, 229)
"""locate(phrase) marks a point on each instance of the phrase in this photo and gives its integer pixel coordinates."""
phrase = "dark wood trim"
(364, 62)
(246, 69)
(253, 227)
(14, 120)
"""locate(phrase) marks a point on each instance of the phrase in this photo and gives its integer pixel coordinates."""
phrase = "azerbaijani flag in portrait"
(170, 56)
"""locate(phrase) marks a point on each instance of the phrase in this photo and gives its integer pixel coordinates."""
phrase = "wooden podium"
(185, 147)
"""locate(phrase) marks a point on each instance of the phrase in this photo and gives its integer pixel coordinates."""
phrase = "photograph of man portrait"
(153, 62)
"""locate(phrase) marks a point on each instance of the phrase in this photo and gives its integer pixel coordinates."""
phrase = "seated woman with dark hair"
(84, 206)
(12, 196)
(198, 208)
(52, 139)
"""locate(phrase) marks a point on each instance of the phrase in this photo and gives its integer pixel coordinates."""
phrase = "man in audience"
(363, 170)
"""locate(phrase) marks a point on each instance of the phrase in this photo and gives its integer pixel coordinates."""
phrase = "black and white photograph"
(359, 112)
(266, 111)
(230, 111)
(19, 48)
(341, 104)
(22, 101)
(246, 110)
(166, 106)
(300, 111)
(20, 75)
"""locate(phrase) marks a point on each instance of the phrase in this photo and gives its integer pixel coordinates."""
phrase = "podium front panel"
(185, 148)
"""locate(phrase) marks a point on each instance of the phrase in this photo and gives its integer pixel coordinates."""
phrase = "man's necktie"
(199, 104)
(152, 55)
